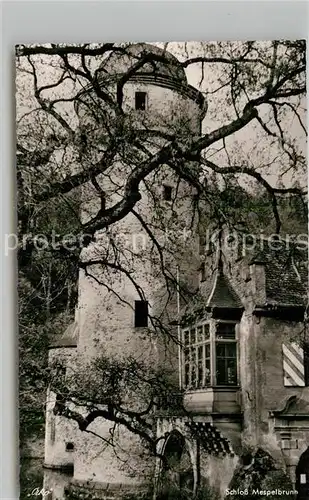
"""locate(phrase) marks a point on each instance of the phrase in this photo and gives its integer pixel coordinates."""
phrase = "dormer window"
(210, 355)
(140, 101)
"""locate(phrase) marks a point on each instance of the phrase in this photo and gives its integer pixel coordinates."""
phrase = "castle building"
(241, 363)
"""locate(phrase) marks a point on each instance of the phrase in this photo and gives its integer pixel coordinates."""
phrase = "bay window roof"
(222, 294)
(218, 297)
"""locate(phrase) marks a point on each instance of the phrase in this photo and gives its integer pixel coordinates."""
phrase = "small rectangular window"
(141, 313)
(140, 100)
(167, 193)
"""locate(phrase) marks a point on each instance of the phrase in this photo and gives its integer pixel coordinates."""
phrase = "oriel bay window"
(210, 355)
(197, 356)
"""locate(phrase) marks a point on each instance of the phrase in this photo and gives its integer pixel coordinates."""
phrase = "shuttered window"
(295, 365)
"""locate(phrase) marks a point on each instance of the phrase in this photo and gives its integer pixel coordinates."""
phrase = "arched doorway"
(302, 476)
(177, 476)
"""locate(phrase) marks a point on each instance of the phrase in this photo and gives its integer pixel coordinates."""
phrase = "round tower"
(159, 104)
(118, 298)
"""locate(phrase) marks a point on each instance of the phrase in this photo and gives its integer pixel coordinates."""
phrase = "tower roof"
(286, 272)
(161, 62)
(159, 67)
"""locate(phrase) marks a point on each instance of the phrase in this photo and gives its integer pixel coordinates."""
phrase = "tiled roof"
(210, 438)
(286, 274)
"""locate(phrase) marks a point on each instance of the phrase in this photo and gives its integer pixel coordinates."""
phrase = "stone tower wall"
(106, 319)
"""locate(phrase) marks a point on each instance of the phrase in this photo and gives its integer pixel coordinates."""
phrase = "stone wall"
(85, 490)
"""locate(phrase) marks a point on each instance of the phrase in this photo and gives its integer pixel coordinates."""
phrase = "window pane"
(207, 371)
(194, 375)
(200, 334)
(221, 372)
(187, 372)
(200, 371)
(200, 353)
(206, 331)
(220, 348)
(186, 335)
(230, 350)
(194, 364)
(193, 339)
(225, 331)
(231, 372)
(207, 351)
(187, 355)
(226, 364)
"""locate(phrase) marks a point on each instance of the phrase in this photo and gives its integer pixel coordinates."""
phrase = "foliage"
(255, 84)
(31, 477)
(260, 472)
(125, 391)
(46, 299)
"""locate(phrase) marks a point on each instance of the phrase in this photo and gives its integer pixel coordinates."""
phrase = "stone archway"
(177, 475)
(302, 476)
